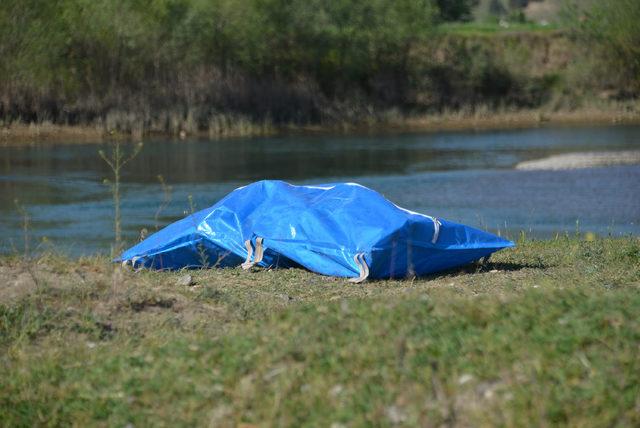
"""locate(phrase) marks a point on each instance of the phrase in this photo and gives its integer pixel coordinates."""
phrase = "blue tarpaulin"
(341, 229)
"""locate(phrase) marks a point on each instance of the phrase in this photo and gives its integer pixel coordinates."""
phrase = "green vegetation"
(490, 28)
(612, 28)
(240, 67)
(545, 334)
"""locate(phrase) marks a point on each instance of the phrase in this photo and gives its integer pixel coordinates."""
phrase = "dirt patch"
(15, 284)
(154, 302)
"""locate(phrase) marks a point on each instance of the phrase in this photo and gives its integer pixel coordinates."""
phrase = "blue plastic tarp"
(341, 229)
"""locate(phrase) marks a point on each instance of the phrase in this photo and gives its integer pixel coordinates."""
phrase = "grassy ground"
(546, 334)
(479, 29)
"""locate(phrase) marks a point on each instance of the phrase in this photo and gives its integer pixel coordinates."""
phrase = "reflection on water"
(466, 177)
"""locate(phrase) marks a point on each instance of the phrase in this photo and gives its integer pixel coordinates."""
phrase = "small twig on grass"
(26, 235)
(202, 250)
(26, 224)
(203, 255)
(166, 199)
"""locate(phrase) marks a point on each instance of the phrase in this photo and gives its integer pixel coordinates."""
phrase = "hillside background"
(248, 66)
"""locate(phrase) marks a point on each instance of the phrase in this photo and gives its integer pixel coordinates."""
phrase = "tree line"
(156, 63)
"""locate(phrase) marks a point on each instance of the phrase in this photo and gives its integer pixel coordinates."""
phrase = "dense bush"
(158, 65)
(456, 10)
(74, 60)
(613, 29)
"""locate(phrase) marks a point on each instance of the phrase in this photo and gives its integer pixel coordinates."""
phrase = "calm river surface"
(467, 177)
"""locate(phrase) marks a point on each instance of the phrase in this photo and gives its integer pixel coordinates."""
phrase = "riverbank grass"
(546, 333)
(477, 119)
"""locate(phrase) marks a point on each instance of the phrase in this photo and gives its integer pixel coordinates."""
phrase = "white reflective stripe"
(319, 187)
(362, 265)
(247, 263)
(436, 230)
(412, 212)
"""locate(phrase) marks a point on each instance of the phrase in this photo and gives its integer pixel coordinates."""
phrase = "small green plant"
(203, 255)
(26, 227)
(166, 199)
(202, 251)
(26, 236)
(117, 159)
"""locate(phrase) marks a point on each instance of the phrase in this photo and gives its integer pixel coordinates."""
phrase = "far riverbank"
(622, 114)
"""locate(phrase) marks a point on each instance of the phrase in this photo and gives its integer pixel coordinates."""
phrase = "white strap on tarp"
(259, 251)
(436, 230)
(248, 264)
(130, 263)
(362, 265)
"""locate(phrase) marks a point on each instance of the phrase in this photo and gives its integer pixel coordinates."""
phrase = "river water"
(468, 177)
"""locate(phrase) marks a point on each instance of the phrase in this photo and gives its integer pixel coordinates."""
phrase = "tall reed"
(117, 158)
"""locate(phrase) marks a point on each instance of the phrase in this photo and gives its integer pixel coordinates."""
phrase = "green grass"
(546, 334)
(490, 28)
